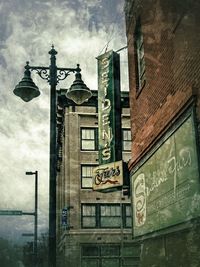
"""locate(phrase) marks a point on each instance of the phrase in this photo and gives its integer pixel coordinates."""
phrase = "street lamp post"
(35, 249)
(78, 92)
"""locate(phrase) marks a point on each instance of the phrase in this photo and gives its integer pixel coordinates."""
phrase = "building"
(164, 76)
(93, 228)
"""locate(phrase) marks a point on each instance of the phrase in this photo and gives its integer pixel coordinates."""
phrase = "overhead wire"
(112, 33)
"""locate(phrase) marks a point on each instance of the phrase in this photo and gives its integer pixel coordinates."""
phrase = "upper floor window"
(88, 215)
(86, 176)
(140, 60)
(88, 139)
(126, 135)
(106, 215)
(110, 216)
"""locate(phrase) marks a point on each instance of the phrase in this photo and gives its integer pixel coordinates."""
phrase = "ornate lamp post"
(78, 92)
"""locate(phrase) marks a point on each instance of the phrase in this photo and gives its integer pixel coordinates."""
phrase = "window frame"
(86, 165)
(127, 254)
(88, 216)
(139, 57)
(126, 140)
(95, 140)
(98, 216)
(125, 216)
(101, 217)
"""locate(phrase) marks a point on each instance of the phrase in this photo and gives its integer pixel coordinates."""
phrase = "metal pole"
(52, 173)
(36, 219)
(21, 91)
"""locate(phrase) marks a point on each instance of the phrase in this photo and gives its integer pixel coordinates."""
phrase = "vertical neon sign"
(109, 108)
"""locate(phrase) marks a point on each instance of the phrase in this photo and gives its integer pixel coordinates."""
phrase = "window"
(140, 60)
(127, 216)
(89, 216)
(106, 255)
(126, 135)
(109, 255)
(110, 216)
(88, 139)
(106, 215)
(86, 176)
(89, 251)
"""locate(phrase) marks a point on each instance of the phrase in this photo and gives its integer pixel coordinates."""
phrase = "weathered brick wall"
(172, 58)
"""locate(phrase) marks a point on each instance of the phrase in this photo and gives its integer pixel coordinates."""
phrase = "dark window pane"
(89, 263)
(139, 46)
(110, 263)
(131, 262)
(132, 251)
(89, 251)
(110, 251)
(128, 210)
(128, 216)
(129, 222)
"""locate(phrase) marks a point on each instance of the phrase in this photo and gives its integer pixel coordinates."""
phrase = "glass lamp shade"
(26, 89)
(78, 92)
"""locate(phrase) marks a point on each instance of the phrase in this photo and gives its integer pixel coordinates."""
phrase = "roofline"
(93, 101)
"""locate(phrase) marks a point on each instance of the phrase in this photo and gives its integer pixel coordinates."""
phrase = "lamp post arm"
(55, 75)
(70, 69)
(37, 68)
(64, 72)
(41, 71)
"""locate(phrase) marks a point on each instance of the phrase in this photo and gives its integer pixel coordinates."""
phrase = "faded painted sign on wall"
(165, 189)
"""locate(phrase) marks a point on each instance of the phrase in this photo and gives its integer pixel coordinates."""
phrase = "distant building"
(93, 228)
(164, 75)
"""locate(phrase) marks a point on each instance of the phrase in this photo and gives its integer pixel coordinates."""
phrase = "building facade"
(93, 228)
(164, 76)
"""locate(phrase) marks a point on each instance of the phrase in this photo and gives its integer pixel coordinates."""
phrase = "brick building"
(164, 74)
(93, 228)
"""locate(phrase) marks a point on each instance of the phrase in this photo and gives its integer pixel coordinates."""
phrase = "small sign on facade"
(108, 176)
(11, 212)
(64, 217)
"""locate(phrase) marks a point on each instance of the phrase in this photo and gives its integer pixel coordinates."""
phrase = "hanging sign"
(108, 176)
(109, 108)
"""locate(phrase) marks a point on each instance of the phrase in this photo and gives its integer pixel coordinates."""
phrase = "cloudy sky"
(80, 30)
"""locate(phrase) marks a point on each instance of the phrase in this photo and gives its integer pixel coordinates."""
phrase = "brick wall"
(172, 59)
